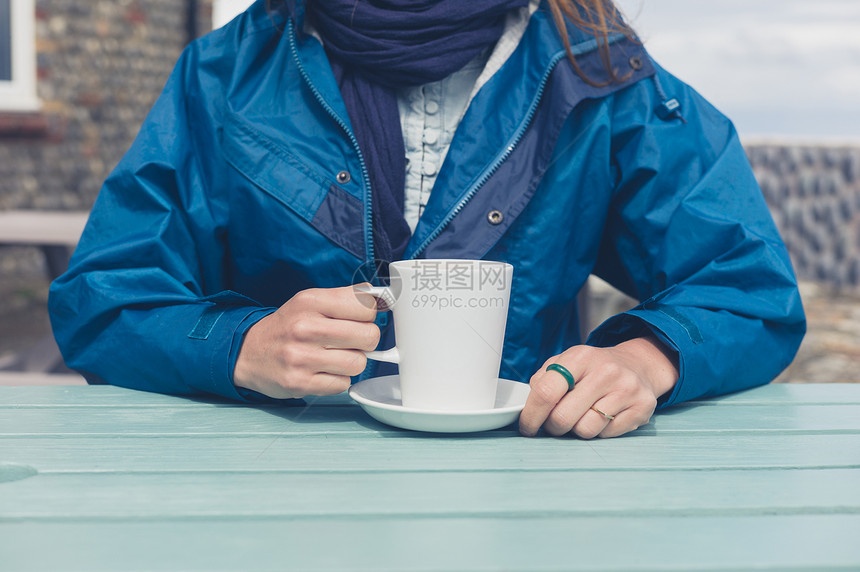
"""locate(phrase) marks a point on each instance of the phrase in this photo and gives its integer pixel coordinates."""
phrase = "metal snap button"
(495, 217)
(636, 63)
(343, 177)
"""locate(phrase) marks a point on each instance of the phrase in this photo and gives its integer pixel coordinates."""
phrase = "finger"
(612, 415)
(316, 384)
(547, 389)
(573, 407)
(329, 384)
(301, 362)
(315, 330)
(342, 362)
(574, 413)
(340, 303)
(564, 415)
(591, 424)
(626, 421)
(349, 335)
(367, 299)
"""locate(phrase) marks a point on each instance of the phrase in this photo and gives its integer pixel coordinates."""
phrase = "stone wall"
(100, 66)
(814, 194)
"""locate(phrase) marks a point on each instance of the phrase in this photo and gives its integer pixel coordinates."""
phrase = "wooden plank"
(790, 393)
(797, 417)
(355, 453)
(41, 227)
(111, 396)
(60, 496)
(286, 421)
(182, 420)
(797, 543)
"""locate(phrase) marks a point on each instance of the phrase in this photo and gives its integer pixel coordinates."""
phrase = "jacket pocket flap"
(273, 168)
(270, 166)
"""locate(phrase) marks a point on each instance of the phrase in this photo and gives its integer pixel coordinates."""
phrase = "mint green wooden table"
(102, 478)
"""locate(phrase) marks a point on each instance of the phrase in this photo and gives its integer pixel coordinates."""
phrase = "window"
(225, 10)
(5, 41)
(17, 56)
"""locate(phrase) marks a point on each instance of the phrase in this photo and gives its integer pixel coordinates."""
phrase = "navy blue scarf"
(377, 46)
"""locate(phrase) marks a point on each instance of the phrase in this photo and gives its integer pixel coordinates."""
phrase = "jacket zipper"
(518, 135)
(497, 162)
(485, 176)
(365, 177)
(368, 210)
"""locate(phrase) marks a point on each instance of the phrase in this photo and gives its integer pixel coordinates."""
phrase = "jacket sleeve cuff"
(675, 335)
(223, 341)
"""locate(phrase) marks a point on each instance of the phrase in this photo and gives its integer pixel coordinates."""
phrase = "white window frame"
(225, 10)
(19, 94)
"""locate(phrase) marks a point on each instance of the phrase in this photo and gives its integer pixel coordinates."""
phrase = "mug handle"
(382, 294)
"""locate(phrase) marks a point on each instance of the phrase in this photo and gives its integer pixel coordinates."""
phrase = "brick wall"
(100, 66)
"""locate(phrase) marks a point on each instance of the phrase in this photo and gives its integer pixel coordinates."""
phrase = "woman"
(302, 142)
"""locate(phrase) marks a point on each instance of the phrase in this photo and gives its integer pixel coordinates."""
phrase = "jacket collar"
(492, 132)
(497, 116)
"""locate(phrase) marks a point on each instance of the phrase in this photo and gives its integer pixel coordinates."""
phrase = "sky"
(780, 69)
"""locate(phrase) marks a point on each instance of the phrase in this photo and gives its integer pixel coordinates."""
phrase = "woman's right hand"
(310, 346)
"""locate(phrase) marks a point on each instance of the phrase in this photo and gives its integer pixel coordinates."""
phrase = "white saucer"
(380, 398)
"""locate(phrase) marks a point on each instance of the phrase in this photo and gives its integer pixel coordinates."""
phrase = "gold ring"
(596, 410)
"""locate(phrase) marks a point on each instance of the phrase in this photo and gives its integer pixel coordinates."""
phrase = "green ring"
(568, 377)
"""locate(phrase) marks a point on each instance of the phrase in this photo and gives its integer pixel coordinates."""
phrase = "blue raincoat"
(246, 185)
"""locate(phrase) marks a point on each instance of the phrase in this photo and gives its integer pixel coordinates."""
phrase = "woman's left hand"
(623, 382)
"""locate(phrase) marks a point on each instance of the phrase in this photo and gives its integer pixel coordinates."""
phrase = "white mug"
(449, 323)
